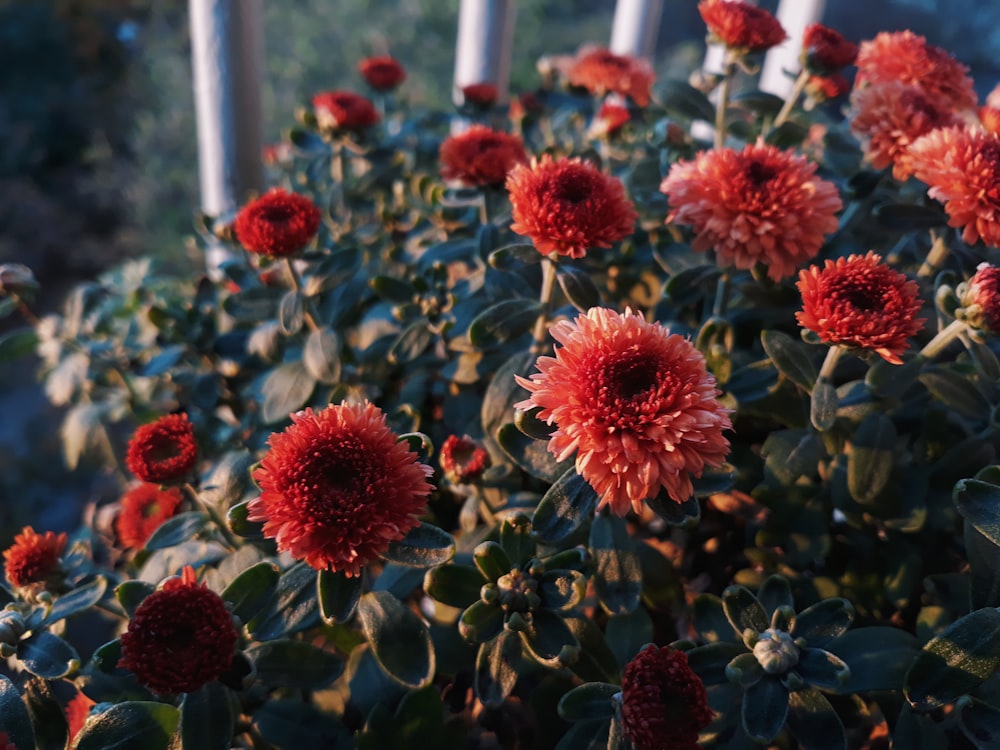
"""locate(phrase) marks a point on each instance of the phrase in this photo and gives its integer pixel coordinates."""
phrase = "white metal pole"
(227, 43)
(636, 27)
(782, 62)
(484, 46)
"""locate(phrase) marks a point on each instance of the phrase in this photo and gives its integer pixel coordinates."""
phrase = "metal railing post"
(484, 45)
(636, 27)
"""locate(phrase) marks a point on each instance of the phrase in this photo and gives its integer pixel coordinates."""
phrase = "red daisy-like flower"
(664, 703)
(143, 509)
(33, 558)
(77, 712)
(163, 451)
(905, 57)
(741, 26)
(344, 110)
(825, 88)
(481, 156)
(888, 117)
(758, 205)
(568, 206)
(962, 168)
(277, 224)
(602, 72)
(980, 299)
(609, 120)
(337, 487)
(463, 460)
(825, 51)
(480, 94)
(382, 73)
(180, 638)
(862, 303)
(633, 402)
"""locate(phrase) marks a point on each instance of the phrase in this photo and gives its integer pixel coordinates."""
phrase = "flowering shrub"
(557, 428)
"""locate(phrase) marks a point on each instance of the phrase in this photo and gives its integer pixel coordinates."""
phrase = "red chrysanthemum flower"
(758, 205)
(862, 303)
(382, 73)
(337, 487)
(277, 224)
(905, 57)
(33, 558)
(664, 703)
(163, 451)
(825, 88)
(825, 51)
(180, 638)
(962, 168)
(609, 120)
(980, 299)
(602, 72)
(568, 206)
(634, 402)
(463, 460)
(143, 509)
(480, 94)
(741, 26)
(888, 117)
(344, 110)
(481, 156)
(77, 712)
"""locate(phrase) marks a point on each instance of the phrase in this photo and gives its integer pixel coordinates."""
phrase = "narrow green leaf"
(513, 257)
(176, 530)
(132, 725)
(870, 459)
(681, 98)
(423, 547)
(454, 585)
(627, 633)
(293, 607)
(823, 621)
(617, 570)
(822, 669)
(674, 513)
(400, 642)
(516, 540)
(954, 390)
(709, 662)
(984, 568)
(877, 656)
(17, 344)
(593, 700)
(981, 723)
(14, 717)
(236, 519)
(285, 391)
(823, 406)
(979, 503)
(251, 590)
(393, 289)
(569, 502)
(790, 358)
(549, 639)
(814, 722)
(47, 715)
(291, 312)
(743, 610)
(411, 343)
(481, 622)
(764, 710)
(497, 665)
(530, 454)
(596, 662)
(578, 287)
(503, 322)
(294, 664)
(47, 655)
(208, 719)
(321, 356)
(294, 724)
(492, 560)
(338, 596)
(78, 600)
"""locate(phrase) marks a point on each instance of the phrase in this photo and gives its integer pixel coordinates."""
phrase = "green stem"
(830, 363)
(944, 337)
(789, 105)
(935, 257)
(720, 111)
(297, 286)
(721, 302)
(540, 334)
(214, 514)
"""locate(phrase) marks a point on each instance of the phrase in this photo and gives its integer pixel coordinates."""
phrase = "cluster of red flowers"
(180, 638)
(34, 559)
(567, 206)
(143, 509)
(602, 72)
(740, 26)
(344, 110)
(633, 402)
(337, 487)
(481, 156)
(462, 459)
(163, 451)
(382, 73)
(277, 224)
(861, 303)
(760, 205)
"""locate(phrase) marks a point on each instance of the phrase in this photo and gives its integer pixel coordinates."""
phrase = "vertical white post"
(794, 15)
(484, 46)
(636, 27)
(227, 43)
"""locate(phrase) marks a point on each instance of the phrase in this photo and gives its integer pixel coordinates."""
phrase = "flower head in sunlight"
(163, 451)
(634, 402)
(825, 51)
(382, 73)
(825, 88)
(980, 299)
(610, 118)
(481, 156)
(277, 224)
(143, 509)
(741, 26)
(463, 460)
(602, 72)
(34, 559)
(344, 110)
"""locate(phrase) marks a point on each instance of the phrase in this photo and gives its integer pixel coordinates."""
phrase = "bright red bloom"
(905, 57)
(277, 224)
(481, 156)
(180, 638)
(163, 451)
(463, 460)
(143, 509)
(344, 110)
(741, 26)
(382, 73)
(888, 117)
(609, 120)
(33, 558)
(77, 712)
(825, 51)
(568, 206)
(602, 72)
(824, 88)
(337, 487)
(962, 168)
(634, 402)
(758, 205)
(480, 94)
(664, 703)
(862, 303)
(980, 299)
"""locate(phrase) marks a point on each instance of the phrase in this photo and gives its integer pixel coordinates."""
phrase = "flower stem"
(935, 257)
(721, 302)
(541, 324)
(720, 111)
(830, 363)
(297, 286)
(789, 105)
(214, 514)
(944, 337)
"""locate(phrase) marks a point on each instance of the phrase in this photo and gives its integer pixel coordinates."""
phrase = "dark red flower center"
(572, 189)
(759, 173)
(163, 450)
(633, 377)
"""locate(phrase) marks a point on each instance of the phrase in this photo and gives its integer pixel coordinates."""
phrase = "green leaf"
(674, 513)
(981, 723)
(823, 406)
(47, 655)
(578, 287)
(321, 356)
(46, 715)
(954, 390)
(294, 664)
(176, 530)
(709, 662)
(908, 217)
(530, 454)
(503, 322)
(775, 592)
(423, 547)
(743, 610)
(681, 98)
(208, 719)
(292, 608)
(528, 423)
(492, 560)
(626, 634)
(497, 666)
(593, 700)
(481, 622)
(14, 717)
(877, 656)
(132, 725)
(790, 358)
(291, 312)
(870, 458)
(229, 479)
(915, 731)
(78, 600)
(392, 289)
(814, 722)
(236, 519)
(744, 670)
(513, 257)
(338, 596)
(549, 639)
(823, 621)
(984, 568)
(889, 380)
(454, 585)
(285, 391)
(17, 344)
(822, 669)
(596, 662)
(516, 540)
(964, 656)
(296, 724)
(253, 305)
(251, 590)
(787, 135)
(765, 707)
(712, 481)
(411, 343)
(400, 642)
(762, 102)
(562, 589)
(567, 504)
(979, 503)
(617, 571)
